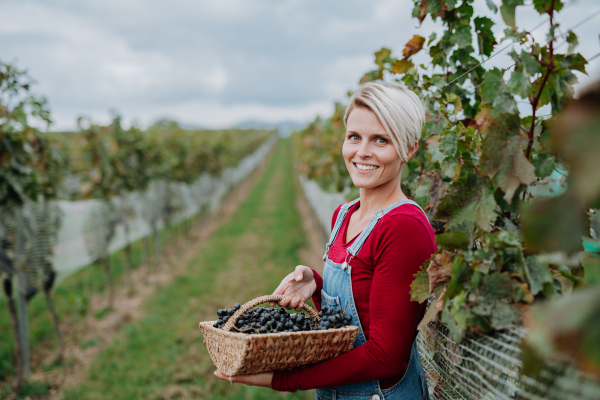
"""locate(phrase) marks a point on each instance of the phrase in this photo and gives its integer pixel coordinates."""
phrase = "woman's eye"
(353, 137)
(381, 141)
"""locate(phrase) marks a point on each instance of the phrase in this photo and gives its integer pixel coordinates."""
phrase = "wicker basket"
(239, 353)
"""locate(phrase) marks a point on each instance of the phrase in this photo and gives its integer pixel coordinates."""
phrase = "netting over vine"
(488, 367)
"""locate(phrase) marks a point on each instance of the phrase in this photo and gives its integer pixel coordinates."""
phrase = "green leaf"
(544, 164)
(492, 85)
(451, 4)
(538, 274)
(461, 272)
(432, 37)
(502, 155)
(448, 143)
(419, 288)
(505, 316)
(468, 200)
(504, 104)
(573, 42)
(542, 6)
(531, 66)
(452, 240)
(456, 332)
(435, 126)
(433, 149)
(497, 286)
(462, 36)
(485, 36)
(451, 167)
(519, 84)
(492, 6)
(429, 192)
(507, 10)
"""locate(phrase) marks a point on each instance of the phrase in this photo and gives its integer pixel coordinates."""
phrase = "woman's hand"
(299, 285)
(263, 379)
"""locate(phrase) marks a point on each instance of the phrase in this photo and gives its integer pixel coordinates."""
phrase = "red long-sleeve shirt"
(381, 276)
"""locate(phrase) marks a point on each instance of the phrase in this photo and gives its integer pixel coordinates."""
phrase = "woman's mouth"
(365, 167)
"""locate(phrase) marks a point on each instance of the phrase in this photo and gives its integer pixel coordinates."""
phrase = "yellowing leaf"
(439, 269)
(413, 46)
(419, 288)
(403, 66)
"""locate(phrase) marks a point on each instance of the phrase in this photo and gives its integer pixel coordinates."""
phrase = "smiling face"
(368, 151)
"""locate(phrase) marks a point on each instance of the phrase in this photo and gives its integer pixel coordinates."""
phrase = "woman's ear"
(412, 151)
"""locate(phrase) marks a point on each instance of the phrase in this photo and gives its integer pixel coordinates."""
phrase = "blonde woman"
(378, 242)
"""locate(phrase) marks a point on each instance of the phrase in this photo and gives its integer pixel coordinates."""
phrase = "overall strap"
(360, 240)
(338, 224)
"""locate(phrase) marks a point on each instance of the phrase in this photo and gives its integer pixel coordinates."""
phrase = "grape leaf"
(538, 275)
(504, 103)
(507, 10)
(451, 240)
(451, 167)
(403, 66)
(544, 164)
(456, 332)
(530, 64)
(468, 199)
(497, 286)
(492, 85)
(448, 143)
(433, 149)
(492, 6)
(542, 5)
(451, 4)
(429, 192)
(382, 56)
(413, 46)
(485, 36)
(502, 155)
(439, 269)
(419, 288)
(435, 126)
(572, 40)
(519, 84)
(462, 36)
(505, 316)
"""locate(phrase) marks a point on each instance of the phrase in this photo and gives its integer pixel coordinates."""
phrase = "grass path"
(161, 355)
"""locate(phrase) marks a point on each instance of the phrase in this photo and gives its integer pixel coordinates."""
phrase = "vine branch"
(549, 70)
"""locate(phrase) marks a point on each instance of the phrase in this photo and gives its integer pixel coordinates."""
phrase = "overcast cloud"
(220, 62)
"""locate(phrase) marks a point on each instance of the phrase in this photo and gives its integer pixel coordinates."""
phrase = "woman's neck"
(380, 197)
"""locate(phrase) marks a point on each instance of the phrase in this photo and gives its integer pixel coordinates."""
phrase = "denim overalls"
(337, 290)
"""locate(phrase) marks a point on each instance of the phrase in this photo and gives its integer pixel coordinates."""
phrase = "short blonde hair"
(398, 109)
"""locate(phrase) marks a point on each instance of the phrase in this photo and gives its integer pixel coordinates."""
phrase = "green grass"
(162, 354)
(71, 299)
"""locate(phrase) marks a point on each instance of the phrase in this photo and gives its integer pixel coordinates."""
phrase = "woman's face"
(368, 151)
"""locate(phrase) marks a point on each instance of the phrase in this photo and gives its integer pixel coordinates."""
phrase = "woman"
(378, 242)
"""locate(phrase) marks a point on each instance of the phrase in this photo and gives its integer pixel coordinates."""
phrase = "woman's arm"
(393, 317)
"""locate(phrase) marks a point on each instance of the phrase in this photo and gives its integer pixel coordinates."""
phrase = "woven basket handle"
(259, 300)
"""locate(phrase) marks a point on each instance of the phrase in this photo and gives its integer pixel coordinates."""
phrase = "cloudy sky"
(220, 62)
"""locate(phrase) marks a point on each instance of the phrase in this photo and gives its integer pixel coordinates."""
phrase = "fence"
(83, 231)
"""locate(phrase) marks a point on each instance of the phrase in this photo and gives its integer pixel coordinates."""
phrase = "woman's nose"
(364, 150)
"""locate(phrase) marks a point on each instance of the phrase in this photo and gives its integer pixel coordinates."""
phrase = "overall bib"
(336, 293)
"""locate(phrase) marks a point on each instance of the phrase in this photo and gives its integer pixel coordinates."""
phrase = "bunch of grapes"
(275, 320)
